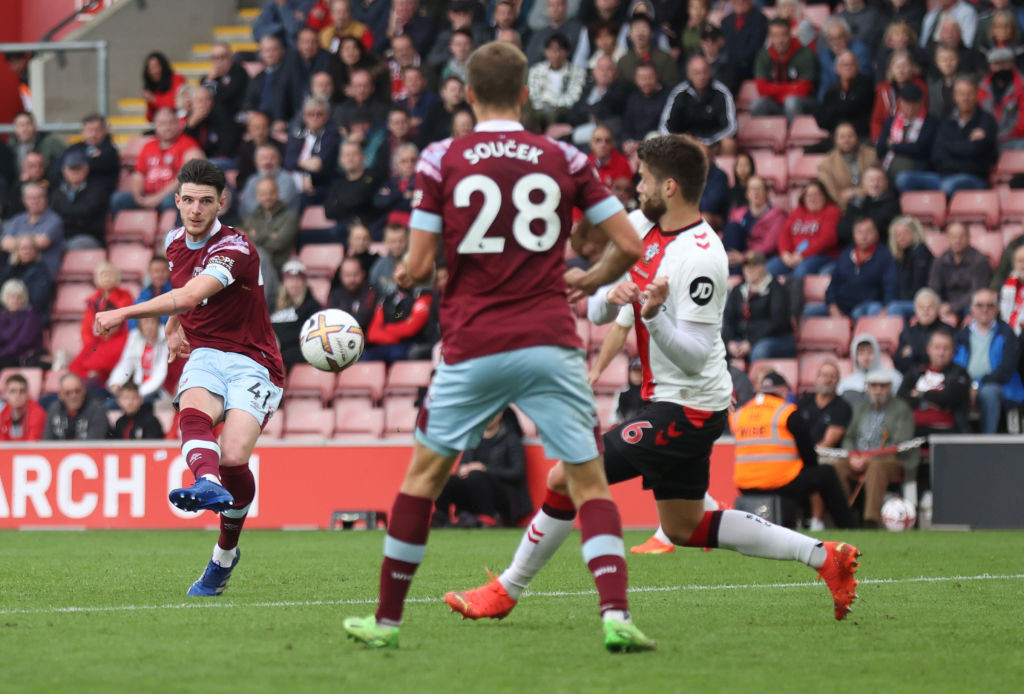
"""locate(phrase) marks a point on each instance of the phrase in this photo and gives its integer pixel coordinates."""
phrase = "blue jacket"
(1003, 354)
(876, 280)
(954, 152)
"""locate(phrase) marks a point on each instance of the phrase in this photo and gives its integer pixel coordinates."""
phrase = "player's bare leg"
(237, 440)
(659, 542)
(687, 523)
(404, 546)
(200, 410)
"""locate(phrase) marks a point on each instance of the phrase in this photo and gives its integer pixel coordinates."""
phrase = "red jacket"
(885, 104)
(32, 424)
(168, 98)
(817, 229)
(617, 166)
(785, 80)
(1008, 111)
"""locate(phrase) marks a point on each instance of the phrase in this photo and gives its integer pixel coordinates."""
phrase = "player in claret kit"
(500, 202)
(675, 297)
(219, 322)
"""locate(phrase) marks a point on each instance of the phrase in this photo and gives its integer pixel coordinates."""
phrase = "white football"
(331, 340)
(898, 515)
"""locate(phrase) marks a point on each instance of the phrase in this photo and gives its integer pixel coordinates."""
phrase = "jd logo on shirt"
(701, 290)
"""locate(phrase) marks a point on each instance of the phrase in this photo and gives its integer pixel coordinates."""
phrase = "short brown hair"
(201, 173)
(497, 72)
(680, 158)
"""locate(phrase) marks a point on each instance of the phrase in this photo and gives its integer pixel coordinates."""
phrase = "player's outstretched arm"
(623, 251)
(611, 346)
(180, 300)
(687, 343)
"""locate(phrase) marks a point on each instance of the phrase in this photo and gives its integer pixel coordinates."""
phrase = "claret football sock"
(546, 533)
(240, 482)
(198, 444)
(605, 553)
(404, 547)
(755, 537)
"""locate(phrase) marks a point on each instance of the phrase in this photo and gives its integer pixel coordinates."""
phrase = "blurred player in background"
(219, 322)
(500, 201)
(676, 294)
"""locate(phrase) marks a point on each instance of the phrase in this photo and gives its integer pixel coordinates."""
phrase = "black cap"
(773, 380)
(710, 31)
(73, 158)
(461, 6)
(911, 92)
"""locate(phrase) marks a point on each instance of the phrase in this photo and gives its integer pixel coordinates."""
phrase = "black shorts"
(669, 445)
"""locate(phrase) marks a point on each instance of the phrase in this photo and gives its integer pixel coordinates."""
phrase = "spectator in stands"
(600, 41)
(383, 162)
(351, 195)
(352, 293)
(867, 358)
(701, 108)
(723, 69)
(143, 363)
(81, 205)
(849, 99)
(272, 226)
(643, 108)
(988, 349)
(27, 138)
(965, 16)
(460, 16)
(137, 421)
(909, 11)
(75, 415)
(402, 55)
(757, 324)
(407, 20)
(998, 28)
(419, 102)
(696, 23)
(100, 353)
(266, 91)
(353, 57)
(295, 303)
(875, 200)
(311, 152)
(213, 129)
(913, 265)
(899, 36)
(155, 180)
(281, 19)
(839, 39)
(807, 242)
(21, 328)
(972, 62)
(879, 421)
(946, 62)
(865, 279)
(785, 73)
(268, 165)
(555, 84)
(609, 162)
(603, 101)
(396, 195)
(438, 124)
(644, 52)
(22, 419)
(841, 171)
(558, 21)
(1001, 94)
(321, 86)
(901, 72)
(396, 238)
(906, 140)
(26, 265)
(912, 348)
(958, 273)
(400, 323)
(358, 246)
(257, 134)
(33, 172)
(744, 30)
(460, 46)
(1011, 294)
(463, 122)
(784, 462)
(360, 104)
(41, 223)
(503, 17)
(754, 227)
(716, 199)
(488, 488)
(157, 282)
(866, 23)
(630, 400)
(227, 79)
(160, 84)
(743, 168)
(343, 25)
(965, 148)
(939, 391)
(99, 151)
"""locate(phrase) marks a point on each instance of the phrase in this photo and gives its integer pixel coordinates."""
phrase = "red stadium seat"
(817, 14)
(1010, 232)
(130, 150)
(926, 205)
(399, 418)
(306, 381)
(69, 303)
(815, 287)
(804, 170)
(361, 380)
(51, 380)
(615, 377)
(307, 417)
(407, 377)
(746, 96)
(79, 266)
(763, 131)
(322, 259)
(313, 217)
(168, 220)
(135, 225)
(975, 206)
(937, 242)
(822, 333)
(991, 244)
(774, 168)
(274, 428)
(787, 368)
(33, 375)
(1011, 163)
(1012, 209)
(357, 417)
(132, 260)
(885, 329)
(727, 163)
(804, 131)
(66, 338)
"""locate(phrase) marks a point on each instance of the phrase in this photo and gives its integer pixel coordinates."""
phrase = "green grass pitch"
(107, 612)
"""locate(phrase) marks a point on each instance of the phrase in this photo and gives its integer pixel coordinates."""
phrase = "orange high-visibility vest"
(766, 452)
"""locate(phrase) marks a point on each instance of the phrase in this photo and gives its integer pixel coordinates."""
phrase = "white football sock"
(213, 478)
(709, 503)
(540, 542)
(659, 534)
(756, 537)
(224, 557)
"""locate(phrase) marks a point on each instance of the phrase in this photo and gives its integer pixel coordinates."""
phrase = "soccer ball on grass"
(331, 340)
(898, 515)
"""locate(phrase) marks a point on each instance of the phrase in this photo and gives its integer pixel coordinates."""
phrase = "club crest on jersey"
(196, 270)
(417, 197)
(651, 252)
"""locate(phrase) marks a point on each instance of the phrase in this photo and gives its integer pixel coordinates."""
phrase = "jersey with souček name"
(505, 199)
(235, 319)
(695, 263)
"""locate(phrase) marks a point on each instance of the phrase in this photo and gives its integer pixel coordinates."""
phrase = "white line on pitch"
(544, 594)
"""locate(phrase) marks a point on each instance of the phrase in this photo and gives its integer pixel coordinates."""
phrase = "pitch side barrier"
(977, 481)
(125, 484)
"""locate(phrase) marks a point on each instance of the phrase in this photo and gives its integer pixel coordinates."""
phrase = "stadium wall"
(125, 485)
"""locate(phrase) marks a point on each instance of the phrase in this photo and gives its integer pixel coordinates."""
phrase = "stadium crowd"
(865, 164)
